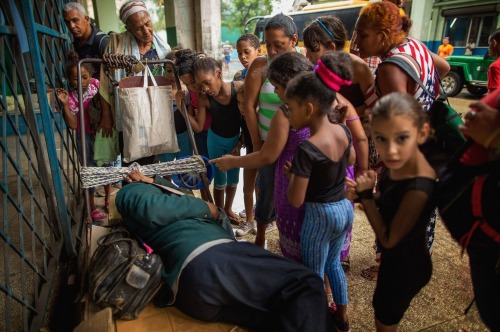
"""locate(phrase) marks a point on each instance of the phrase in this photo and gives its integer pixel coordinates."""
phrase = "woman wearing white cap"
(141, 41)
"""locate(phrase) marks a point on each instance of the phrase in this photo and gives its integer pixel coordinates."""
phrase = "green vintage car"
(468, 70)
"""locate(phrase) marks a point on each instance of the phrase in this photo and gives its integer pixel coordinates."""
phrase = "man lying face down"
(212, 277)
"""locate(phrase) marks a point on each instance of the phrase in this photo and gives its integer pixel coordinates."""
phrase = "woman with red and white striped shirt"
(381, 31)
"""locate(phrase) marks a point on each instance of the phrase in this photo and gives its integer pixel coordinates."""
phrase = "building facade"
(468, 23)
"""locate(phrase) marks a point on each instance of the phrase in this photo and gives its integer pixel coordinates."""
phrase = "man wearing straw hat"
(138, 40)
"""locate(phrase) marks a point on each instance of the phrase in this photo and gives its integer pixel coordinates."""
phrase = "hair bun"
(72, 56)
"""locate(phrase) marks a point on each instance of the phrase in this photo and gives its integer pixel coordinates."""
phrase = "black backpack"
(467, 198)
(122, 275)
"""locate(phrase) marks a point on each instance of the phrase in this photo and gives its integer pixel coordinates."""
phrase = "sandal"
(370, 273)
(342, 326)
(97, 215)
(234, 220)
(331, 303)
(346, 264)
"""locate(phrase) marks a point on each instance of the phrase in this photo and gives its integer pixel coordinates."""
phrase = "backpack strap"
(409, 68)
(477, 212)
(477, 189)
(98, 40)
(104, 38)
(477, 209)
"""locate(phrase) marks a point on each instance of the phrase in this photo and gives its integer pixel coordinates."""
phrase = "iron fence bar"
(40, 171)
(8, 241)
(45, 280)
(7, 30)
(33, 298)
(50, 32)
(32, 31)
(21, 212)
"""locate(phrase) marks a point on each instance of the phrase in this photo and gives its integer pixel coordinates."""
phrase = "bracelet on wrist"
(365, 194)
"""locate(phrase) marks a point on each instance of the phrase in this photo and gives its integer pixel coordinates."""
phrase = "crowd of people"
(322, 131)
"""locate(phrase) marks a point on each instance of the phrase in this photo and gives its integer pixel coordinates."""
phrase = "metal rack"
(182, 107)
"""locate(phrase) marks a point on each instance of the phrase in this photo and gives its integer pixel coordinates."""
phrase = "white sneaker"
(270, 227)
(244, 228)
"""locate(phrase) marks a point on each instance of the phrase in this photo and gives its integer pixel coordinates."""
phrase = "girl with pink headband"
(329, 78)
(318, 171)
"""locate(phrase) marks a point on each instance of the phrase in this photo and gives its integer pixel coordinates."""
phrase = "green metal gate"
(42, 201)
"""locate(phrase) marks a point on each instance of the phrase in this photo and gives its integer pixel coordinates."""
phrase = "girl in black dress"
(400, 216)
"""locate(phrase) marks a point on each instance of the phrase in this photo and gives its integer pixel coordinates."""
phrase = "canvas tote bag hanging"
(147, 116)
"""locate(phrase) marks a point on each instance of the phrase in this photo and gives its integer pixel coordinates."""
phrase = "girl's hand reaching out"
(223, 163)
(62, 95)
(366, 181)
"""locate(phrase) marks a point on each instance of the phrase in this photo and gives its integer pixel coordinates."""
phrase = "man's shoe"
(244, 228)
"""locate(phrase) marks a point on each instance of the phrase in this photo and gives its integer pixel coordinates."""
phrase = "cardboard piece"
(170, 319)
(101, 321)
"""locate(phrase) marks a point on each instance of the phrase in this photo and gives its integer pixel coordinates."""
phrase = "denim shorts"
(217, 147)
(264, 206)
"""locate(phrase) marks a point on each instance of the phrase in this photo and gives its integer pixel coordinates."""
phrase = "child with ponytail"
(318, 171)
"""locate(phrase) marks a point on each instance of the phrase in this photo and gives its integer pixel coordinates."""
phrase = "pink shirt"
(87, 96)
(194, 102)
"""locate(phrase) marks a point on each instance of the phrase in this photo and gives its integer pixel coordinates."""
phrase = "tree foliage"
(236, 12)
(157, 11)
